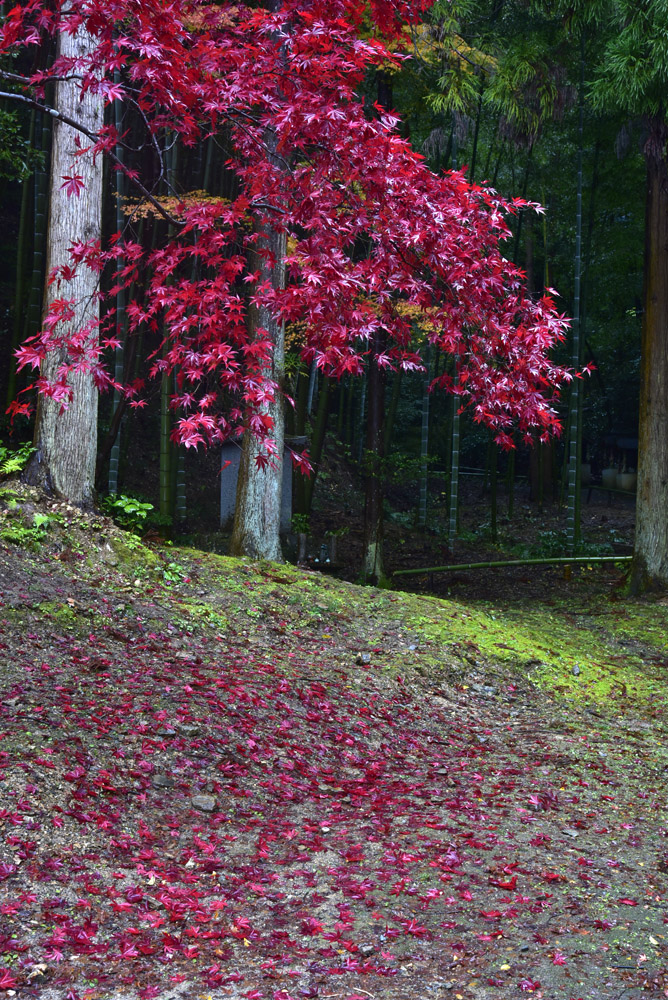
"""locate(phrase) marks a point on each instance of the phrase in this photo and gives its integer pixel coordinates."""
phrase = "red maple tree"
(376, 241)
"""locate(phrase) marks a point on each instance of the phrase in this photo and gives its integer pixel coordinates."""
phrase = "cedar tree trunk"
(257, 516)
(374, 492)
(372, 565)
(66, 442)
(650, 561)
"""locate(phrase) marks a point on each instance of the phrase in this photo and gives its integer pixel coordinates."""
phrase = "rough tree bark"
(374, 458)
(372, 566)
(257, 516)
(650, 561)
(66, 442)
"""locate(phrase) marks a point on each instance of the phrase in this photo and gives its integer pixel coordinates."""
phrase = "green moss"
(576, 656)
(602, 653)
(133, 554)
(62, 613)
(202, 613)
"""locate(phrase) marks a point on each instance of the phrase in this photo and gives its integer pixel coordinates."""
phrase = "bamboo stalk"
(121, 325)
(317, 442)
(476, 134)
(505, 563)
(493, 485)
(41, 200)
(575, 436)
(166, 479)
(510, 483)
(361, 422)
(21, 262)
(455, 446)
(424, 447)
(392, 410)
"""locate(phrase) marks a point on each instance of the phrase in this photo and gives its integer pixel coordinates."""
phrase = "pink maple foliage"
(311, 164)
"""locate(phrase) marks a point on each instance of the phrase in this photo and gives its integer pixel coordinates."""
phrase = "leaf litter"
(238, 780)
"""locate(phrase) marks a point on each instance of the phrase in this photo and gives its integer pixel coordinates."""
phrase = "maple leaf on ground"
(7, 980)
(311, 926)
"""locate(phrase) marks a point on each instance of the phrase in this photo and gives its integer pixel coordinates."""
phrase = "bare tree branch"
(66, 120)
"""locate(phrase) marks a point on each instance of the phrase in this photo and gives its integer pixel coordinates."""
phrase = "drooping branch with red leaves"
(377, 242)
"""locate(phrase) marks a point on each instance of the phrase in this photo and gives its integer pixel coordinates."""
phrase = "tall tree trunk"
(453, 517)
(424, 446)
(573, 525)
(121, 298)
(40, 225)
(317, 441)
(650, 560)
(257, 516)
(391, 415)
(21, 268)
(298, 429)
(374, 471)
(66, 442)
(372, 566)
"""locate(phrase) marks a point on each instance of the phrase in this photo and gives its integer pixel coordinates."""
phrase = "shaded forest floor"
(221, 779)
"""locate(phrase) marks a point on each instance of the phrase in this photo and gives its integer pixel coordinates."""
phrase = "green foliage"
(555, 544)
(13, 461)
(174, 573)
(301, 524)
(128, 512)
(28, 533)
(527, 88)
(632, 75)
(17, 159)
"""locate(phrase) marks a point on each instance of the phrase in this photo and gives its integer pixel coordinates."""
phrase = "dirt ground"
(528, 530)
(220, 779)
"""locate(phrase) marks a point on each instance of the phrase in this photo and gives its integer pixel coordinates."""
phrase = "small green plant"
(301, 524)
(160, 522)
(128, 512)
(15, 461)
(30, 535)
(173, 573)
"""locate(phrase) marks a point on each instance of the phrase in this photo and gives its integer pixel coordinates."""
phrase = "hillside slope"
(220, 778)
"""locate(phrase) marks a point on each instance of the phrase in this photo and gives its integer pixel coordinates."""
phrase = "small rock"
(108, 556)
(363, 659)
(162, 781)
(576, 671)
(166, 731)
(189, 729)
(205, 803)
(366, 950)
(570, 833)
